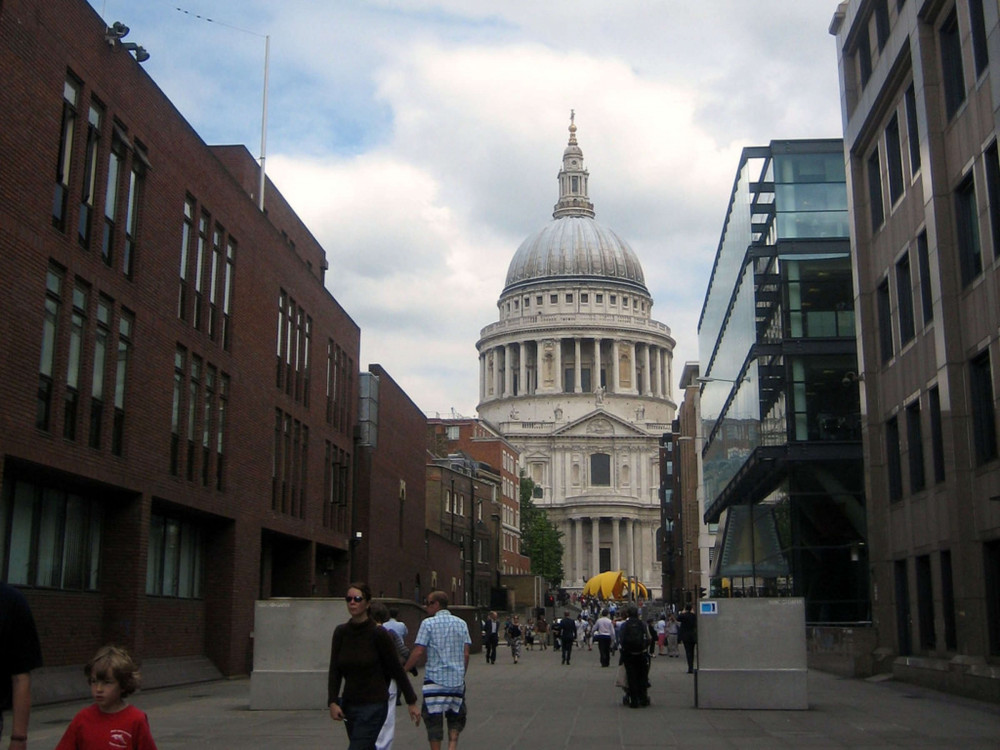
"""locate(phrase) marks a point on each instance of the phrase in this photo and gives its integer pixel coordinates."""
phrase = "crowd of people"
(614, 627)
(370, 664)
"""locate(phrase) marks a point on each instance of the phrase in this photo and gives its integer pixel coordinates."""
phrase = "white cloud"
(420, 141)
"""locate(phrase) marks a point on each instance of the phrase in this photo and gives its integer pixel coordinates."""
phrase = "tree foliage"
(540, 539)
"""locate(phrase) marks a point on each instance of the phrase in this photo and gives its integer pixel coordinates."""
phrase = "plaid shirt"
(445, 637)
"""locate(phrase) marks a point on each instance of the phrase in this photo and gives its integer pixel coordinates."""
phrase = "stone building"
(921, 109)
(577, 376)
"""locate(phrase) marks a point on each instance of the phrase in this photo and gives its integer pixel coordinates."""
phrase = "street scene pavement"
(539, 703)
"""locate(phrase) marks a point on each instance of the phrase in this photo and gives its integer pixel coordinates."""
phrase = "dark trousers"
(604, 646)
(689, 644)
(491, 647)
(637, 676)
(567, 649)
(363, 722)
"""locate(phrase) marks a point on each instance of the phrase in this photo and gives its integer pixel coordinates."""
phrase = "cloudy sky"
(420, 141)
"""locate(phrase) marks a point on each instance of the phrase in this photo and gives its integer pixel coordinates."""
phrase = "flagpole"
(263, 125)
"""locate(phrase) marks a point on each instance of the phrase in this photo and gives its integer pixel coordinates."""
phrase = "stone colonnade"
(537, 366)
(633, 553)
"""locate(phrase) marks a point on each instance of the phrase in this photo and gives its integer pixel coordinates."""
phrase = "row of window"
(198, 420)
(984, 432)
(52, 538)
(339, 386)
(336, 487)
(926, 616)
(905, 318)
(626, 302)
(207, 268)
(290, 464)
(294, 343)
(84, 366)
(110, 160)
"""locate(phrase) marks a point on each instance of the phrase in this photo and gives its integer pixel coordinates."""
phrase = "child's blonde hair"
(114, 662)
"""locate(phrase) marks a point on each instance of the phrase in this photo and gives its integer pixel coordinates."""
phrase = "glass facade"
(780, 402)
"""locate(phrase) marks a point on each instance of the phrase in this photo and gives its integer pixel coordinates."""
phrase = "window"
(600, 470)
(452, 431)
(227, 289)
(125, 325)
(894, 159)
(915, 447)
(180, 365)
(912, 134)
(187, 229)
(220, 431)
(884, 320)
(584, 298)
(94, 118)
(984, 428)
(992, 163)
(71, 95)
(53, 303)
(967, 222)
(612, 299)
(538, 300)
(980, 51)
(102, 335)
(54, 537)
(904, 299)
(78, 324)
(115, 161)
(215, 265)
(948, 602)
(569, 298)
(937, 435)
(132, 201)
(925, 603)
(599, 299)
(893, 467)
(923, 261)
(864, 53)
(881, 22)
(951, 64)
(174, 565)
(875, 191)
(554, 299)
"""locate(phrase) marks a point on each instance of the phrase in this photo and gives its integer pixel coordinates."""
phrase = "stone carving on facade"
(600, 427)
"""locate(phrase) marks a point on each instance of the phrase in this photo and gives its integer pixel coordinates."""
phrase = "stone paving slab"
(540, 703)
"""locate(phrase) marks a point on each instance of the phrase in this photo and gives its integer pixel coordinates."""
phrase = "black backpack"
(635, 636)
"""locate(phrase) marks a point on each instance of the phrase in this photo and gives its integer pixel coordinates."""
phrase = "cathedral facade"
(578, 376)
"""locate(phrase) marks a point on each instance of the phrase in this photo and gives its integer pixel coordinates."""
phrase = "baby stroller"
(621, 680)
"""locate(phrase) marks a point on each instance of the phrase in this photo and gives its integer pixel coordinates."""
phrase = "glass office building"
(780, 399)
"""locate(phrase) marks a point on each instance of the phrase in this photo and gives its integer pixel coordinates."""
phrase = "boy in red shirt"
(110, 721)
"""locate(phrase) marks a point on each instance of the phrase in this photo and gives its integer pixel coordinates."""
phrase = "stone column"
(630, 545)
(539, 349)
(522, 359)
(633, 367)
(482, 377)
(559, 366)
(597, 364)
(614, 387)
(578, 550)
(647, 375)
(508, 370)
(496, 373)
(577, 387)
(595, 541)
(616, 553)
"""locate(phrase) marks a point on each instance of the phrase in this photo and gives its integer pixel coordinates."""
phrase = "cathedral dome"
(574, 245)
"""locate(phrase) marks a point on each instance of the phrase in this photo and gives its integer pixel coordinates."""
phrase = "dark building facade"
(921, 116)
(779, 405)
(179, 388)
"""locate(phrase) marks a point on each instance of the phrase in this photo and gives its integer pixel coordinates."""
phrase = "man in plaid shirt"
(444, 641)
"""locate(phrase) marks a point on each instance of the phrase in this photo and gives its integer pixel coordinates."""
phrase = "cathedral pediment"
(599, 423)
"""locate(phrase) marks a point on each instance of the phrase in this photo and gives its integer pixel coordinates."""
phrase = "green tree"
(540, 539)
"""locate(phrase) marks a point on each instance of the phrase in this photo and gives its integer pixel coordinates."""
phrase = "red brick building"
(480, 441)
(178, 387)
(397, 552)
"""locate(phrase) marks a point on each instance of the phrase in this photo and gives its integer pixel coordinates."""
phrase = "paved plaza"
(538, 703)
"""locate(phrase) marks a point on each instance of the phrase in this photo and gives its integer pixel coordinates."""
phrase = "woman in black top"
(364, 659)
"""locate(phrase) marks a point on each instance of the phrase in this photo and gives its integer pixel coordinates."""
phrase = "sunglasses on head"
(355, 599)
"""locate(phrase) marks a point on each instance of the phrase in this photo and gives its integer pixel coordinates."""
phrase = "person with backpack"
(634, 646)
